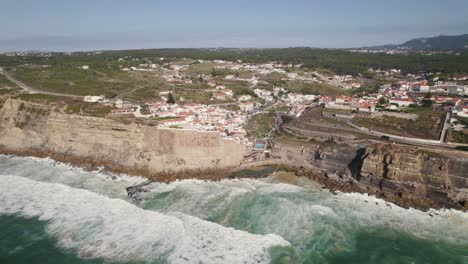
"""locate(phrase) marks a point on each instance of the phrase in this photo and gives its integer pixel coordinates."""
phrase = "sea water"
(54, 213)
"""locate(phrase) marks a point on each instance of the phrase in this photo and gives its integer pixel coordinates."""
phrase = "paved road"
(33, 90)
(443, 135)
(418, 141)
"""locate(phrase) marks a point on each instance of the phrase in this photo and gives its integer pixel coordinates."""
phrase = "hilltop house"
(402, 102)
(122, 111)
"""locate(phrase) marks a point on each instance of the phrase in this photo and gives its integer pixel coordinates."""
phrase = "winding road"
(29, 89)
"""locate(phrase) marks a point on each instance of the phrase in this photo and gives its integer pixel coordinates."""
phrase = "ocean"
(55, 213)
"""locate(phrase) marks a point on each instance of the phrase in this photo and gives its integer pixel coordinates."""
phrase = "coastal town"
(225, 132)
(222, 96)
(228, 111)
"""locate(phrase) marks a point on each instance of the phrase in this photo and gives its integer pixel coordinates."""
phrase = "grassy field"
(133, 86)
(67, 105)
(462, 120)
(43, 98)
(314, 88)
(136, 86)
(200, 68)
(6, 86)
(72, 80)
(274, 78)
(338, 111)
(458, 137)
(89, 109)
(427, 126)
(259, 125)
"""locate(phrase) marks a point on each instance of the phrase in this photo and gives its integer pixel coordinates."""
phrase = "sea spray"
(112, 229)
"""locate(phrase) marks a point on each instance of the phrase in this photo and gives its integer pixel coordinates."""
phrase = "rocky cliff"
(409, 174)
(34, 128)
(406, 175)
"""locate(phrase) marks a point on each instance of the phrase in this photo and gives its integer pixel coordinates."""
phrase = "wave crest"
(100, 227)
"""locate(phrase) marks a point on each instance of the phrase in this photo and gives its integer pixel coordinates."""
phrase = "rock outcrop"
(412, 175)
(28, 127)
(406, 175)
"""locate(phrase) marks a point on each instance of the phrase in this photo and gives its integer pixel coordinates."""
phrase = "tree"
(382, 101)
(427, 101)
(170, 99)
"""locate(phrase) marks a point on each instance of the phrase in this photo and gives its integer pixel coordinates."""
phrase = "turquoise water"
(54, 213)
(26, 241)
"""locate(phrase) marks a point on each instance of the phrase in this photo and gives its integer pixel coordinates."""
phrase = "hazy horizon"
(113, 25)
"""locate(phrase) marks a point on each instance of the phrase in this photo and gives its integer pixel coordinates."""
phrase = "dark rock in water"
(135, 191)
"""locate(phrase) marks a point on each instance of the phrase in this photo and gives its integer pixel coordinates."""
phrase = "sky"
(72, 25)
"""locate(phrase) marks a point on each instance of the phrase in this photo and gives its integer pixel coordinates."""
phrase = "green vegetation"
(264, 125)
(287, 118)
(5, 83)
(338, 111)
(259, 125)
(462, 148)
(90, 109)
(6, 86)
(427, 126)
(462, 120)
(170, 99)
(243, 91)
(164, 118)
(458, 137)
(21, 107)
(135, 86)
(71, 80)
(37, 111)
(200, 68)
(314, 88)
(41, 98)
(275, 78)
(73, 108)
(337, 61)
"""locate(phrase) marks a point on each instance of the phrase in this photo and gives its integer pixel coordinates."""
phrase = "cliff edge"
(36, 129)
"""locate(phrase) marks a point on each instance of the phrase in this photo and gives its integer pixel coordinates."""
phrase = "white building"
(405, 102)
(244, 98)
(93, 99)
(246, 106)
(424, 88)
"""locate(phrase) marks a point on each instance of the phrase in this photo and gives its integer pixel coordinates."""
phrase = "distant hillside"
(440, 43)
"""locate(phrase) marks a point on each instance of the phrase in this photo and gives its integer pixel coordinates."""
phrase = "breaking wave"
(98, 227)
(169, 222)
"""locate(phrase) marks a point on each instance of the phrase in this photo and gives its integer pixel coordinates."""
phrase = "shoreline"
(109, 166)
(332, 183)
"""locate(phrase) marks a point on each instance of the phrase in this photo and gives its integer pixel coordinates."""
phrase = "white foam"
(206, 199)
(112, 229)
(304, 216)
(436, 225)
(47, 170)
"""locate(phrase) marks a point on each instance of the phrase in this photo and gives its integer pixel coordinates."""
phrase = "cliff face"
(31, 127)
(411, 174)
(408, 176)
